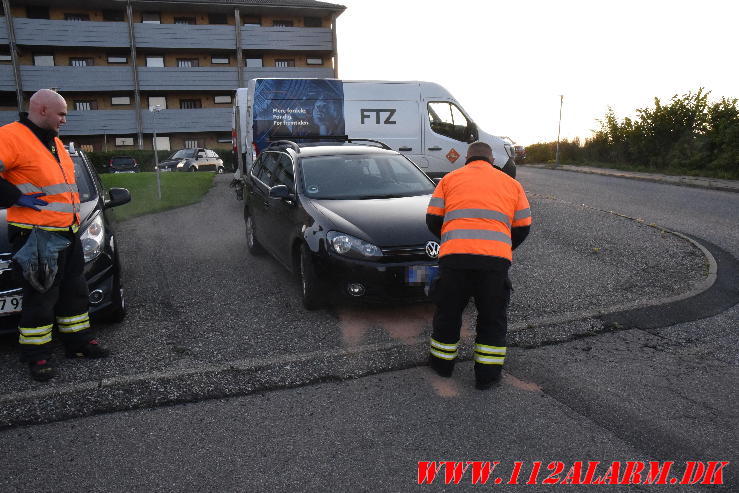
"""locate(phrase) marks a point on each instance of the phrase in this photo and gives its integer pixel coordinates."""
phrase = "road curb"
(244, 377)
(685, 181)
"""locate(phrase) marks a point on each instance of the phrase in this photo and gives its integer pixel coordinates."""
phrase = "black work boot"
(489, 379)
(443, 368)
(90, 349)
(41, 370)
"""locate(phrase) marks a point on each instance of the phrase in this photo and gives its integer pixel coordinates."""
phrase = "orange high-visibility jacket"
(29, 165)
(480, 204)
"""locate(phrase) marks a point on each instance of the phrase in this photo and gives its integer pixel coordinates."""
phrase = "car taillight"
(110, 163)
(233, 141)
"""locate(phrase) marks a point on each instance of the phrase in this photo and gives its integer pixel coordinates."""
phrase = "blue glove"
(31, 200)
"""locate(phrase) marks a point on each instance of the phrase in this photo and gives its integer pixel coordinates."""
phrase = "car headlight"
(349, 246)
(92, 238)
(180, 164)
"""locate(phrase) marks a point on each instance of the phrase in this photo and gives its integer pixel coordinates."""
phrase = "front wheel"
(192, 169)
(220, 170)
(251, 236)
(311, 289)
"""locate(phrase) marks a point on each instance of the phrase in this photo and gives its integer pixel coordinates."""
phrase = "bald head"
(480, 150)
(47, 109)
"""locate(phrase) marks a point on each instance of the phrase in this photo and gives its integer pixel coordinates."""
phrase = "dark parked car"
(348, 219)
(102, 263)
(519, 153)
(199, 159)
(123, 164)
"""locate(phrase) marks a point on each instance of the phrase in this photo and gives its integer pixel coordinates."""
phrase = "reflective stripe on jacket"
(29, 165)
(480, 204)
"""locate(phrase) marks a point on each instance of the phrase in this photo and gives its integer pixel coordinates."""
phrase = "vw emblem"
(432, 249)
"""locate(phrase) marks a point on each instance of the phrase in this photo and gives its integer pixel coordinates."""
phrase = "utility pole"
(559, 127)
(155, 111)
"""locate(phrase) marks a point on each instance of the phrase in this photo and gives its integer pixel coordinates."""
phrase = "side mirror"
(280, 192)
(118, 196)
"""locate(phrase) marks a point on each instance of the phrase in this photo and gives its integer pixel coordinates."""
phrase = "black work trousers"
(451, 293)
(65, 303)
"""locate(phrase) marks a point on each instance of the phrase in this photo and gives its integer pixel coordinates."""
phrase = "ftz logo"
(366, 113)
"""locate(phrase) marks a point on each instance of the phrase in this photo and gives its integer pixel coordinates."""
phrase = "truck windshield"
(358, 176)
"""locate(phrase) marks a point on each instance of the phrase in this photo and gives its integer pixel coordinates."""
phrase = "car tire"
(220, 170)
(310, 286)
(192, 169)
(116, 312)
(252, 243)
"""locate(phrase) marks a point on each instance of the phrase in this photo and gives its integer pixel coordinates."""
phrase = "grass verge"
(178, 189)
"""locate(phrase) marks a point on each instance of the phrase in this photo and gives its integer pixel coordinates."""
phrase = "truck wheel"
(310, 286)
(251, 237)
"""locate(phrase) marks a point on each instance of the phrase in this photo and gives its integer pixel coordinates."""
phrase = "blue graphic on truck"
(290, 108)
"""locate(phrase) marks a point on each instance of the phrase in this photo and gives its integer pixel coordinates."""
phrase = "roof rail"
(381, 144)
(288, 143)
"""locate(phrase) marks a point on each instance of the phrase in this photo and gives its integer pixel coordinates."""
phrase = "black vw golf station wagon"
(348, 219)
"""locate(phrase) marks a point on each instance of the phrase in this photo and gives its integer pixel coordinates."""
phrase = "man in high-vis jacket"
(481, 214)
(37, 185)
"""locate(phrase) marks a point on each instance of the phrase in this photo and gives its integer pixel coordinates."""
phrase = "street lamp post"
(156, 109)
(559, 127)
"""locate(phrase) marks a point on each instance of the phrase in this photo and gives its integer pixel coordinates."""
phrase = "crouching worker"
(481, 214)
(37, 185)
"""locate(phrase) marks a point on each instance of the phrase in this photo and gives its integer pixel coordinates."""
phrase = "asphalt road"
(661, 394)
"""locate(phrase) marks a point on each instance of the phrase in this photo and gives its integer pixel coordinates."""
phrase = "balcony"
(99, 122)
(201, 120)
(7, 81)
(43, 32)
(291, 72)
(185, 36)
(286, 38)
(8, 117)
(3, 31)
(78, 79)
(188, 79)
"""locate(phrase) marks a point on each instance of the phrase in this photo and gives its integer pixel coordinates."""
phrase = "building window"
(187, 62)
(185, 20)
(222, 99)
(113, 15)
(150, 18)
(155, 61)
(8, 99)
(37, 12)
(252, 20)
(312, 22)
(224, 139)
(191, 144)
(117, 59)
(123, 141)
(282, 23)
(85, 105)
(155, 101)
(115, 100)
(43, 60)
(190, 104)
(81, 61)
(254, 62)
(217, 19)
(76, 17)
(5, 57)
(220, 60)
(284, 62)
(314, 61)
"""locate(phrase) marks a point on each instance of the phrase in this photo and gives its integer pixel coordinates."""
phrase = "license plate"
(11, 304)
(421, 274)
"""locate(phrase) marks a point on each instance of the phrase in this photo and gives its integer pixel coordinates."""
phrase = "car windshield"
(183, 153)
(84, 181)
(362, 176)
(121, 161)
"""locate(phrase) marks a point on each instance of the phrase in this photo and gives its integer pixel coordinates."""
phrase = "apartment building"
(116, 60)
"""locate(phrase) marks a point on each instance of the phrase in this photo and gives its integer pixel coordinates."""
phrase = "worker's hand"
(31, 200)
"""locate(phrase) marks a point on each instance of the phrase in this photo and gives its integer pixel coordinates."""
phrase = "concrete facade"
(109, 57)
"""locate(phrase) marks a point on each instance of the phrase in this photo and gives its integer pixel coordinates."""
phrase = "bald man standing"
(38, 188)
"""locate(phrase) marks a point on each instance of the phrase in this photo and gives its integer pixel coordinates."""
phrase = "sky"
(508, 62)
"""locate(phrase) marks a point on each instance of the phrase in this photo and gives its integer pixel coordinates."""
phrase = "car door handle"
(405, 149)
(434, 148)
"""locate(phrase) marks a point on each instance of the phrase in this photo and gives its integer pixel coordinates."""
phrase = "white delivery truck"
(422, 120)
